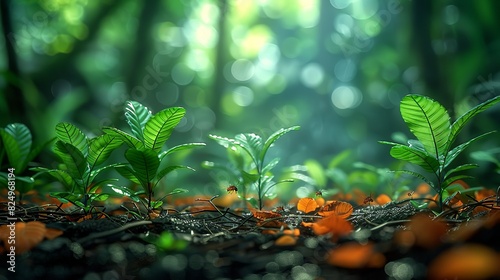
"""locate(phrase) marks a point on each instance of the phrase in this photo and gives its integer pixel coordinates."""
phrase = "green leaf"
(415, 156)
(428, 121)
(164, 172)
(270, 165)
(70, 134)
(460, 168)
(249, 178)
(21, 135)
(252, 144)
(419, 176)
(100, 148)
(460, 148)
(125, 192)
(60, 175)
(316, 172)
(37, 149)
(269, 141)
(127, 173)
(130, 140)
(459, 124)
(144, 163)
(181, 147)
(160, 126)
(137, 116)
(446, 183)
(73, 158)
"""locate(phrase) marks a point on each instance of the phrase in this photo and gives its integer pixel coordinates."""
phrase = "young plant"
(81, 160)
(17, 144)
(247, 151)
(430, 123)
(147, 163)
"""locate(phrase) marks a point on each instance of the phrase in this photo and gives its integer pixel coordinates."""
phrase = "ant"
(368, 199)
(232, 189)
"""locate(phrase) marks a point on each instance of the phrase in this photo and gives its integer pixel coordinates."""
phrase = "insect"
(232, 189)
(410, 194)
(319, 193)
(368, 200)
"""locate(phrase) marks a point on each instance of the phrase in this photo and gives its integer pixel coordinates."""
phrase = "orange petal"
(354, 255)
(471, 261)
(307, 205)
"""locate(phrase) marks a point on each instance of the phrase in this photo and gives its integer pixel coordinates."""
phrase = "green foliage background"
(337, 68)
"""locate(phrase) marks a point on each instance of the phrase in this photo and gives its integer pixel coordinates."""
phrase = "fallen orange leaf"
(470, 261)
(355, 255)
(286, 240)
(339, 208)
(334, 225)
(383, 199)
(307, 205)
(27, 235)
(423, 232)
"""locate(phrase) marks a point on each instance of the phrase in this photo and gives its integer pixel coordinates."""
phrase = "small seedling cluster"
(84, 159)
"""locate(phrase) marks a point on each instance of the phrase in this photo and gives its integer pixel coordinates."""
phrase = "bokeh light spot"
(344, 70)
(312, 75)
(242, 70)
(181, 74)
(243, 96)
(346, 97)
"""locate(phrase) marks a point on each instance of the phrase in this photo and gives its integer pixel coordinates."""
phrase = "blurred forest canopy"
(337, 68)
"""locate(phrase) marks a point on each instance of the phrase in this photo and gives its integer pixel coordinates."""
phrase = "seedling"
(18, 146)
(430, 123)
(147, 163)
(247, 152)
(81, 158)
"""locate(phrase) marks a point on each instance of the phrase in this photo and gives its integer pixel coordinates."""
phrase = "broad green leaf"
(100, 148)
(249, 178)
(96, 172)
(73, 158)
(419, 176)
(340, 158)
(181, 147)
(485, 156)
(164, 172)
(316, 172)
(125, 192)
(460, 148)
(66, 197)
(70, 134)
(160, 126)
(252, 144)
(459, 124)
(446, 183)
(13, 150)
(224, 141)
(130, 140)
(270, 165)
(269, 141)
(175, 191)
(60, 175)
(144, 163)
(415, 156)
(98, 197)
(127, 173)
(137, 116)
(460, 168)
(22, 136)
(428, 121)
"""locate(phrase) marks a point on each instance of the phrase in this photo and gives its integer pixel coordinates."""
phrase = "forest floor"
(392, 241)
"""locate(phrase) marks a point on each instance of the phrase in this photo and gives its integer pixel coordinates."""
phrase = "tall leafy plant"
(17, 146)
(82, 160)
(256, 171)
(433, 150)
(146, 163)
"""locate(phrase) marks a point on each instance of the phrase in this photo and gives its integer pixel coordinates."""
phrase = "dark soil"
(227, 246)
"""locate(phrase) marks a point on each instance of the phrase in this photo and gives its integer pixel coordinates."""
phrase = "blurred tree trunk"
(221, 51)
(14, 105)
(431, 66)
